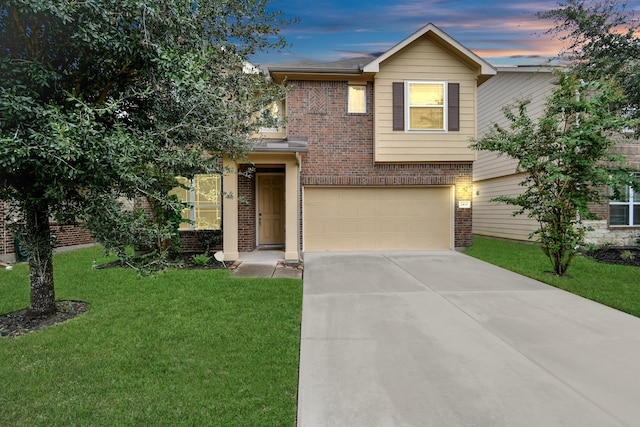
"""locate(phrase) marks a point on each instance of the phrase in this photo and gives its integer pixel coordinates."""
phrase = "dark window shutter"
(398, 106)
(454, 106)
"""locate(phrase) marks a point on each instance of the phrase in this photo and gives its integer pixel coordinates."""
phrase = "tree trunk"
(38, 240)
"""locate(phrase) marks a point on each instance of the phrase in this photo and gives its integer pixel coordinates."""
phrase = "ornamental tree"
(566, 158)
(102, 102)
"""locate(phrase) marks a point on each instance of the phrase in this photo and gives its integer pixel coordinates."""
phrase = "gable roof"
(369, 65)
(486, 69)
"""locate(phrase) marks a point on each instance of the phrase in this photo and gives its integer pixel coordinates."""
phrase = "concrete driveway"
(442, 339)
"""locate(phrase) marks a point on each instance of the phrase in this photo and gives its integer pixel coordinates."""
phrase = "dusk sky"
(503, 32)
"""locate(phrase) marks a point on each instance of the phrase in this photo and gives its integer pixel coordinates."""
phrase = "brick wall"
(246, 212)
(66, 235)
(341, 148)
(191, 242)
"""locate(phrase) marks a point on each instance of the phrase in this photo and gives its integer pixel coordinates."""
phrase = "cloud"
(334, 29)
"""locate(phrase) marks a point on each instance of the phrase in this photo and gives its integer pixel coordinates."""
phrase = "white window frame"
(633, 201)
(364, 103)
(408, 106)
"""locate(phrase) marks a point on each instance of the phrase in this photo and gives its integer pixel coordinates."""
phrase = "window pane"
(207, 219)
(619, 214)
(271, 116)
(181, 193)
(636, 214)
(186, 220)
(357, 99)
(207, 189)
(426, 94)
(624, 194)
(426, 118)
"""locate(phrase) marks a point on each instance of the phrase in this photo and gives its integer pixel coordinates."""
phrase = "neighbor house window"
(426, 107)
(202, 195)
(357, 99)
(626, 209)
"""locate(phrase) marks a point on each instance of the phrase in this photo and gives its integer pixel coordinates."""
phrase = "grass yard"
(617, 286)
(190, 347)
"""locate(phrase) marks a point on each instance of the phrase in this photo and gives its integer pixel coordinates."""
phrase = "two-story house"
(374, 155)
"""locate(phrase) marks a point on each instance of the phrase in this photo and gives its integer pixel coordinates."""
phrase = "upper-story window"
(626, 209)
(426, 106)
(357, 99)
(202, 197)
(272, 117)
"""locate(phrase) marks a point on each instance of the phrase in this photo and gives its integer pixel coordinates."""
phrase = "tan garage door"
(362, 219)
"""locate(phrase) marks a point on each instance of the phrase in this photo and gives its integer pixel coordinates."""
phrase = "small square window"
(357, 99)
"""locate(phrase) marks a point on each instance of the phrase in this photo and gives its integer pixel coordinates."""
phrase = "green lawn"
(197, 348)
(614, 285)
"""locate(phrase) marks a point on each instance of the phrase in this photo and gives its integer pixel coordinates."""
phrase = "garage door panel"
(344, 219)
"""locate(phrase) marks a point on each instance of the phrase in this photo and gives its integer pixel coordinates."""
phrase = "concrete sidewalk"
(442, 339)
(265, 263)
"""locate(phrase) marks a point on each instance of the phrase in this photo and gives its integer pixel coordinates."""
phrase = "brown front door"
(271, 209)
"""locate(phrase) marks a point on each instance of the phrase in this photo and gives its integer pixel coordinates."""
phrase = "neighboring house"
(374, 155)
(66, 235)
(495, 176)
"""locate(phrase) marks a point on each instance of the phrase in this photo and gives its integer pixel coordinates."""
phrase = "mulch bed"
(20, 322)
(621, 256)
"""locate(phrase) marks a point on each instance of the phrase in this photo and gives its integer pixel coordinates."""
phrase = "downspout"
(298, 209)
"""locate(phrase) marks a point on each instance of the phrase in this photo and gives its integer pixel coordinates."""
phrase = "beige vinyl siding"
(496, 219)
(424, 59)
(507, 88)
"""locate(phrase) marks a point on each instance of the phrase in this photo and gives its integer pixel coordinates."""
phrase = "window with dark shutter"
(398, 106)
(424, 104)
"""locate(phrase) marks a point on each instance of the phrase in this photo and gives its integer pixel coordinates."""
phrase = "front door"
(271, 209)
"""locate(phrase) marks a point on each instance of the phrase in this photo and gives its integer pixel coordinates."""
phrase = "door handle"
(260, 218)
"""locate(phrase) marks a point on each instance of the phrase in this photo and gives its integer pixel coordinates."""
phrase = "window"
(626, 210)
(426, 106)
(272, 117)
(357, 99)
(203, 197)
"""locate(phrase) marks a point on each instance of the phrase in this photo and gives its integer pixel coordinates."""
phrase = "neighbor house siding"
(506, 89)
(497, 219)
(495, 175)
(425, 59)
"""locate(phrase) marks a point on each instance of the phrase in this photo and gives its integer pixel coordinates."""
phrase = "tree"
(102, 102)
(601, 43)
(566, 158)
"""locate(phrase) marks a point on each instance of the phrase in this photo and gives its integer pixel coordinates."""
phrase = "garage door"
(361, 219)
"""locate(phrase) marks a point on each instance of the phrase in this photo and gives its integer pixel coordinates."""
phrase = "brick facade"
(66, 235)
(246, 212)
(341, 149)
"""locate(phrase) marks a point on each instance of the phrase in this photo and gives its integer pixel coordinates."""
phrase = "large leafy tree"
(104, 101)
(566, 157)
(601, 41)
